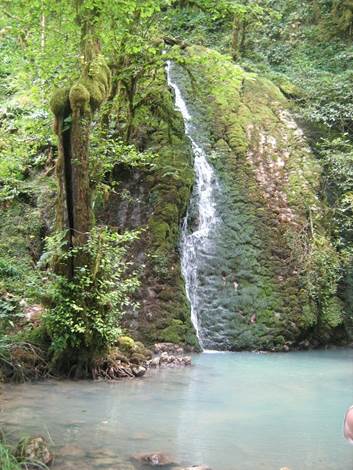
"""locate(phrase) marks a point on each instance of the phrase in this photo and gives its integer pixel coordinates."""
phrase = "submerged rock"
(71, 450)
(108, 459)
(73, 466)
(157, 459)
(139, 371)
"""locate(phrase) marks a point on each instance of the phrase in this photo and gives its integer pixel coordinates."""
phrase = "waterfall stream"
(196, 240)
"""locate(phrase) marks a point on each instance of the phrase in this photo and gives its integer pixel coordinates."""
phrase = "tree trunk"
(130, 92)
(80, 185)
(73, 109)
(236, 39)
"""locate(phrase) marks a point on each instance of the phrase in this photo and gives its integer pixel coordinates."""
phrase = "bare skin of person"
(348, 425)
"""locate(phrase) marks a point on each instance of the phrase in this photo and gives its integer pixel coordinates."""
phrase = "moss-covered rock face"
(156, 200)
(264, 286)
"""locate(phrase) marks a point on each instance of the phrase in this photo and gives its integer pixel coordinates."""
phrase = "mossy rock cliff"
(271, 282)
(156, 199)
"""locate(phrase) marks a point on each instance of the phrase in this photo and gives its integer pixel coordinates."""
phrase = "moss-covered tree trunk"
(73, 108)
(81, 194)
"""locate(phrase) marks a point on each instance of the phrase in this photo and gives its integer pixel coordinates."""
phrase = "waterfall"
(196, 241)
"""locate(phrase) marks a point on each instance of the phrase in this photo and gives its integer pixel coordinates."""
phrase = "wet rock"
(107, 459)
(34, 449)
(138, 371)
(170, 348)
(155, 362)
(157, 459)
(170, 360)
(137, 358)
(123, 372)
(187, 360)
(164, 357)
(304, 344)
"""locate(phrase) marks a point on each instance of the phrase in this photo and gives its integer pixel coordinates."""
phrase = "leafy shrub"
(330, 99)
(85, 319)
(337, 160)
(9, 312)
(7, 269)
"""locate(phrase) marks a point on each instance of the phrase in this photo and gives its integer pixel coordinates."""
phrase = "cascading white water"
(206, 210)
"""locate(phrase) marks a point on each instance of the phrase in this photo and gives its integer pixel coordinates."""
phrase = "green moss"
(97, 80)
(79, 97)
(289, 89)
(137, 358)
(159, 230)
(93, 87)
(59, 102)
(167, 188)
(174, 333)
(141, 349)
(257, 147)
(332, 313)
(126, 344)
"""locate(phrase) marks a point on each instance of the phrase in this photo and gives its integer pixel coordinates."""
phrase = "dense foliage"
(86, 311)
(302, 46)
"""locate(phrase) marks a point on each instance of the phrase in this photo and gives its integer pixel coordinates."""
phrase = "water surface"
(232, 411)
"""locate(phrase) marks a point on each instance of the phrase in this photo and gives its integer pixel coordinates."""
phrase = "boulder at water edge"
(34, 449)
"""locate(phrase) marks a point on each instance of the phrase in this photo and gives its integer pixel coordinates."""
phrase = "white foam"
(205, 183)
